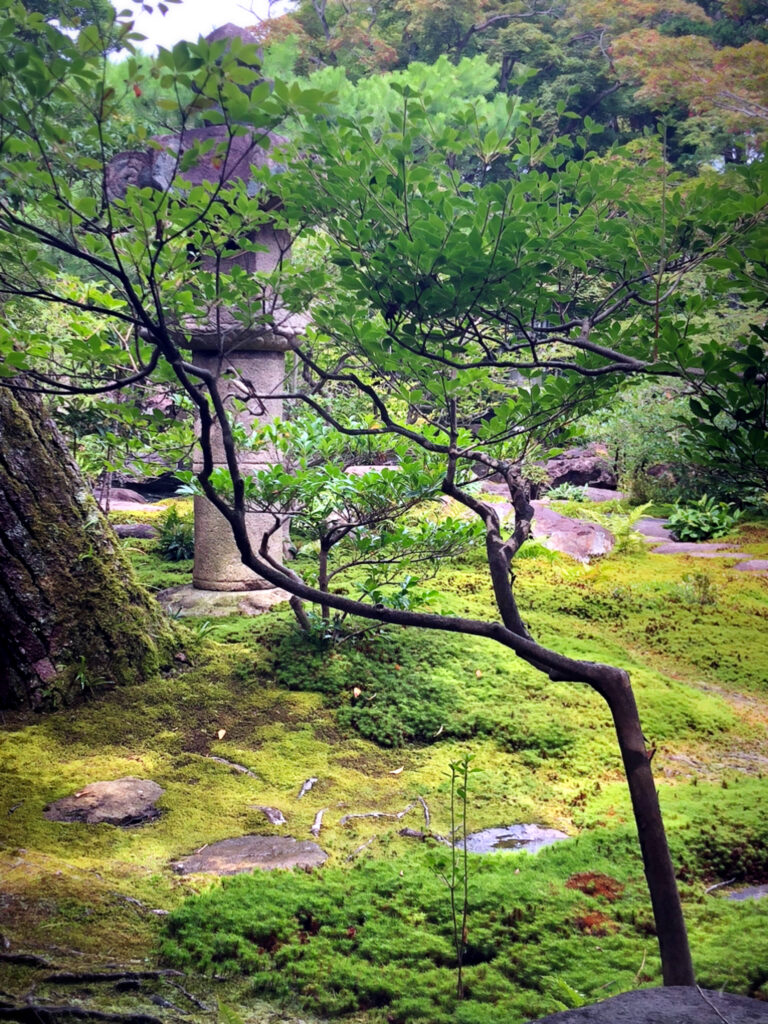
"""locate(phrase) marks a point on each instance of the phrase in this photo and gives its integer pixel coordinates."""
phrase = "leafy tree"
(74, 12)
(728, 84)
(476, 317)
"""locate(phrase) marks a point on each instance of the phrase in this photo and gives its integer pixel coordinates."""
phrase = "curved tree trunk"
(676, 963)
(72, 614)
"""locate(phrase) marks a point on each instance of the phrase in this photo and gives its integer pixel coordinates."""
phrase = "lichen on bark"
(72, 614)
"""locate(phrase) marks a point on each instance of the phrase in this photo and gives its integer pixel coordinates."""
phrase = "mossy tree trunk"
(72, 614)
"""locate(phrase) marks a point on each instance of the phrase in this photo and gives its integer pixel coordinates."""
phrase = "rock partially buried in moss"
(124, 802)
(247, 853)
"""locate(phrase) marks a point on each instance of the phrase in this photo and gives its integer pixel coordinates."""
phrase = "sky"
(193, 18)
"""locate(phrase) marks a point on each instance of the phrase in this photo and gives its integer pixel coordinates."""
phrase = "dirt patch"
(594, 884)
(595, 923)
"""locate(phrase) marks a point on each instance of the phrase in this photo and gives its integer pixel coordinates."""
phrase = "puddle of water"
(752, 892)
(512, 837)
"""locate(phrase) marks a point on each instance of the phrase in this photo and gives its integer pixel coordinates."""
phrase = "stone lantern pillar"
(245, 350)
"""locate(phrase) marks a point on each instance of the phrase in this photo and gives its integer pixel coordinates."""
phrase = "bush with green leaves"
(176, 536)
(703, 520)
(641, 429)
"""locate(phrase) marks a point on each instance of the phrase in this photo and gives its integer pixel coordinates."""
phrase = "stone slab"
(753, 565)
(189, 600)
(697, 550)
(127, 801)
(653, 529)
(251, 853)
(673, 1005)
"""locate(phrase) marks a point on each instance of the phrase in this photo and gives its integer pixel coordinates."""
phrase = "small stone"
(273, 814)
(124, 802)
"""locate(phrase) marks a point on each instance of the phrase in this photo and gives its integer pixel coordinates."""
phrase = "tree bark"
(72, 615)
(676, 963)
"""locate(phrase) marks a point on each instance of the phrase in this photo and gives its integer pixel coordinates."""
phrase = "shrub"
(703, 520)
(388, 688)
(176, 536)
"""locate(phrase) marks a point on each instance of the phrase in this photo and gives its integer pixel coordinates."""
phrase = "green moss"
(547, 754)
(369, 937)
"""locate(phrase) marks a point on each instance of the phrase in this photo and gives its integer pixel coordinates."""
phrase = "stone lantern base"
(207, 604)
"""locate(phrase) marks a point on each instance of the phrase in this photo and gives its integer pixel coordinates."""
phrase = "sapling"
(458, 878)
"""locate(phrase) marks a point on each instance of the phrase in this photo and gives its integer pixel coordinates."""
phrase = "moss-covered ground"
(369, 934)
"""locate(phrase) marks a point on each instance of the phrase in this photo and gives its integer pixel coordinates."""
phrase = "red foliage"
(594, 884)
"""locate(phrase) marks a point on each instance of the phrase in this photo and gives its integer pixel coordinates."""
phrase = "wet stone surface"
(249, 853)
(513, 837)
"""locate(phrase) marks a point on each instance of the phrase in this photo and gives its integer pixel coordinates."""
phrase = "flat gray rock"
(753, 565)
(248, 853)
(653, 529)
(697, 550)
(127, 801)
(674, 1005)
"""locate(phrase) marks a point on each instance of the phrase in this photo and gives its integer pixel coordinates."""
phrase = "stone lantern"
(244, 349)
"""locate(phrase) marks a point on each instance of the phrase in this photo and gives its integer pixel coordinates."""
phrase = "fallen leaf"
(439, 730)
(221, 733)
(397, 770)
(356, 691)
(478, 673)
